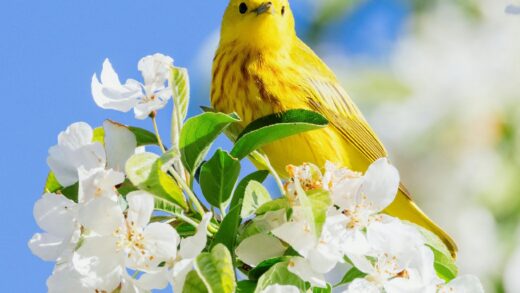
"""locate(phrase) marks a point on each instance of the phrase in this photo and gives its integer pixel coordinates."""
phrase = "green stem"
(159, 140)
(275, 175)
(184, 218)
(188, 191)
(223, 211)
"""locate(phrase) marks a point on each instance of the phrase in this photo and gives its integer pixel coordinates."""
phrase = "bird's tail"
(405, 209)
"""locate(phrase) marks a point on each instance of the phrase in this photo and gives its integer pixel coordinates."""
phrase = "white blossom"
(56, 215)
(178, 264)
(463, 284)
(75, 149)
(117, 242)
(397, 259)
(144, 98)
(281, 289)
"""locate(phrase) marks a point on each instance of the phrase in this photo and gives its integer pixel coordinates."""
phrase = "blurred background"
(438, 80)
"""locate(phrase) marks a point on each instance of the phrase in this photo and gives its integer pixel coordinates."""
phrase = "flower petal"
(140, 208)
(192, 246)
(56, 214)
(47, 246)
(281, 289)
(300, 267)
(120, 144)
(111, 94)
(362, 286)
(97, 183)
(161, 241)
(298, 235)
(154, 281)
(380, 184)
(101, 215)
(180, 271)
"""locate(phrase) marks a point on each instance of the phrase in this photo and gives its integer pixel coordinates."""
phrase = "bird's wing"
(324, 95)
(328, 98)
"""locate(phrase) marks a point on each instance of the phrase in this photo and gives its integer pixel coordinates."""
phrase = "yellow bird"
(261, 67)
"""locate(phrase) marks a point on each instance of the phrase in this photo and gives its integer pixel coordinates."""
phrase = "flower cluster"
(337, 218)
(99, 239)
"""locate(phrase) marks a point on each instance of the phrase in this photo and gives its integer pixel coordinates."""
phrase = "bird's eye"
(283, 10)
(242, 8)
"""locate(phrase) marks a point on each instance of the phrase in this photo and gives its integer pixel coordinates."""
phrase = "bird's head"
(258, 23)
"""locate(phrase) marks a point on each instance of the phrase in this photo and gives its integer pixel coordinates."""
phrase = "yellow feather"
(261, 67)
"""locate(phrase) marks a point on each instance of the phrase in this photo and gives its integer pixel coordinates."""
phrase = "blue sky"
(48, 53)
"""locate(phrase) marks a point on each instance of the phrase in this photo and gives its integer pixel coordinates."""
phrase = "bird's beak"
(264, 7)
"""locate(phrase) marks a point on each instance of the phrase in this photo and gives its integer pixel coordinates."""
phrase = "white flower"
(397, 260)
(74, 149)
(56, 215)
(463, 284)
(178, 265)
(362, 286)
(65, 279)
(116, 242)
(281, 289)
(143, 98)
(98, 199)
(321, 254)
(362, 198)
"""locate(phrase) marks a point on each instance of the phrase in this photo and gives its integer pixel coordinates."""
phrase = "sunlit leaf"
(275, 127)
(198, 134)
(218, 176)
(215, 269)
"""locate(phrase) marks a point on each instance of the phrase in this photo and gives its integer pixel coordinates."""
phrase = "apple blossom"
(144, 98)
(75, 149)
(57, 216)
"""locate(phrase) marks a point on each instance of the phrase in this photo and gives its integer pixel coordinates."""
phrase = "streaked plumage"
(261, 67)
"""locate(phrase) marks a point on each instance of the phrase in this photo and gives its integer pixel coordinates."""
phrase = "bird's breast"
(249, 83)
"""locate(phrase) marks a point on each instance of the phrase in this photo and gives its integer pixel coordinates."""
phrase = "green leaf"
(444, 265)
(246, 286)
(349, 276)
(255, 196)
(443, 261)
(218, 177)
(144, 170)
(180, 83)
(273, 205)
(275, 127)
(198, 134)
(194, 284)
(264, 266)
(216, 269)
(99, 135)
(228, 231)
(51, 184)
(280, 274)
(143, 136)
(71, 192)
(322, 290)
